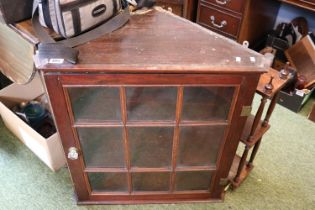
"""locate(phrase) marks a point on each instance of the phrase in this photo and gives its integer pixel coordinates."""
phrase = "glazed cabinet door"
(146, 138)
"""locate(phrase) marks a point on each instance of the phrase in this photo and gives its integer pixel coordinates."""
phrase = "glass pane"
(206, 103)
(97, 103)
(193, 180)
(199, 145)
(151, 146)
(102, 147)
(151, 103)
(151, 181)
(108, 182)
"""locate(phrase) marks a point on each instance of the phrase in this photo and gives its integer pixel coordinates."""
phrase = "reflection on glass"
(108, 182)
(102, 147)
(151, 103)
(151, 146)
(199, 145)
(193, 180)
(151, 181)
(206, 103)
(97, 103)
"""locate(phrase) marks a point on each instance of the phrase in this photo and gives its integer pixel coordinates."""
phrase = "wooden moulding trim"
(150, 196)
(193, 69)
(146, 85)
(139, 201)
(116, 80)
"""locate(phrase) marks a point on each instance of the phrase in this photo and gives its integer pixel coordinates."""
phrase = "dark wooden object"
(256, 127)
(302, 4)
(183, 8)
(312, 114)
(131, 94)
(238, 19)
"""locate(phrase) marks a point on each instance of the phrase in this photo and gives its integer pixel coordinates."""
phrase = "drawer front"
(219, 21)
(234, 5)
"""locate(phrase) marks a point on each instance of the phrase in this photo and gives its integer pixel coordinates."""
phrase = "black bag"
(12, 11)
(62, 51)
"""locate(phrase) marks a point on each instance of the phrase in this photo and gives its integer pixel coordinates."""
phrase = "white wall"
(289, 12)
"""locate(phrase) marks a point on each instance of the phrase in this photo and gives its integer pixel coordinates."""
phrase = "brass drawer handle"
(222, 24)
(222, 2)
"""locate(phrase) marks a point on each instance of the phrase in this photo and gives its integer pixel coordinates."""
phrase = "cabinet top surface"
(162, 42)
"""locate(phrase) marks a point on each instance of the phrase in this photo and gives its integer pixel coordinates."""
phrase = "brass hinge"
(224, 181)
(246, 111)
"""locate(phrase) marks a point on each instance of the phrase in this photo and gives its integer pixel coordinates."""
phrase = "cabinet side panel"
(245, 98)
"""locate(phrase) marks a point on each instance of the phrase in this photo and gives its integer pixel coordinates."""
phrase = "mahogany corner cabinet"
(153, 112)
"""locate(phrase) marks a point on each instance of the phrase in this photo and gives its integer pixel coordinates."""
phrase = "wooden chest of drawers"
(238, 19)
(223, 21)
(222, 16)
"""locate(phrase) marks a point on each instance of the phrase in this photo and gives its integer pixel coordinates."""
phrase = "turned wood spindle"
(241, 164)
(269, 85)
(284, 73)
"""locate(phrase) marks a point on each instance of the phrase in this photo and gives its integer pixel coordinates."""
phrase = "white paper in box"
(48, 150)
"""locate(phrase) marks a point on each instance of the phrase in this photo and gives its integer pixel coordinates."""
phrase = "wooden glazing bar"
(196, 168)
(143, 170)
(150, 124)
(125, 134)
(203, 123)
(93, 124)
(105, 170)
(97, 124)
(179, 106)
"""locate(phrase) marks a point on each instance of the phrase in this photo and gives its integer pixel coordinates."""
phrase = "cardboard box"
(294, 100)
(49, 150)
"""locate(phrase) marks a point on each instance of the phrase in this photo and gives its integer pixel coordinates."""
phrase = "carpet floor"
(283, 177)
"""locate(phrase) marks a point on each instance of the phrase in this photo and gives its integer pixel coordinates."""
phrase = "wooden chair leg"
(253, 155)
(241, 165)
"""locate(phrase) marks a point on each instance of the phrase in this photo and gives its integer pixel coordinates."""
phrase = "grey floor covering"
(283, 177)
